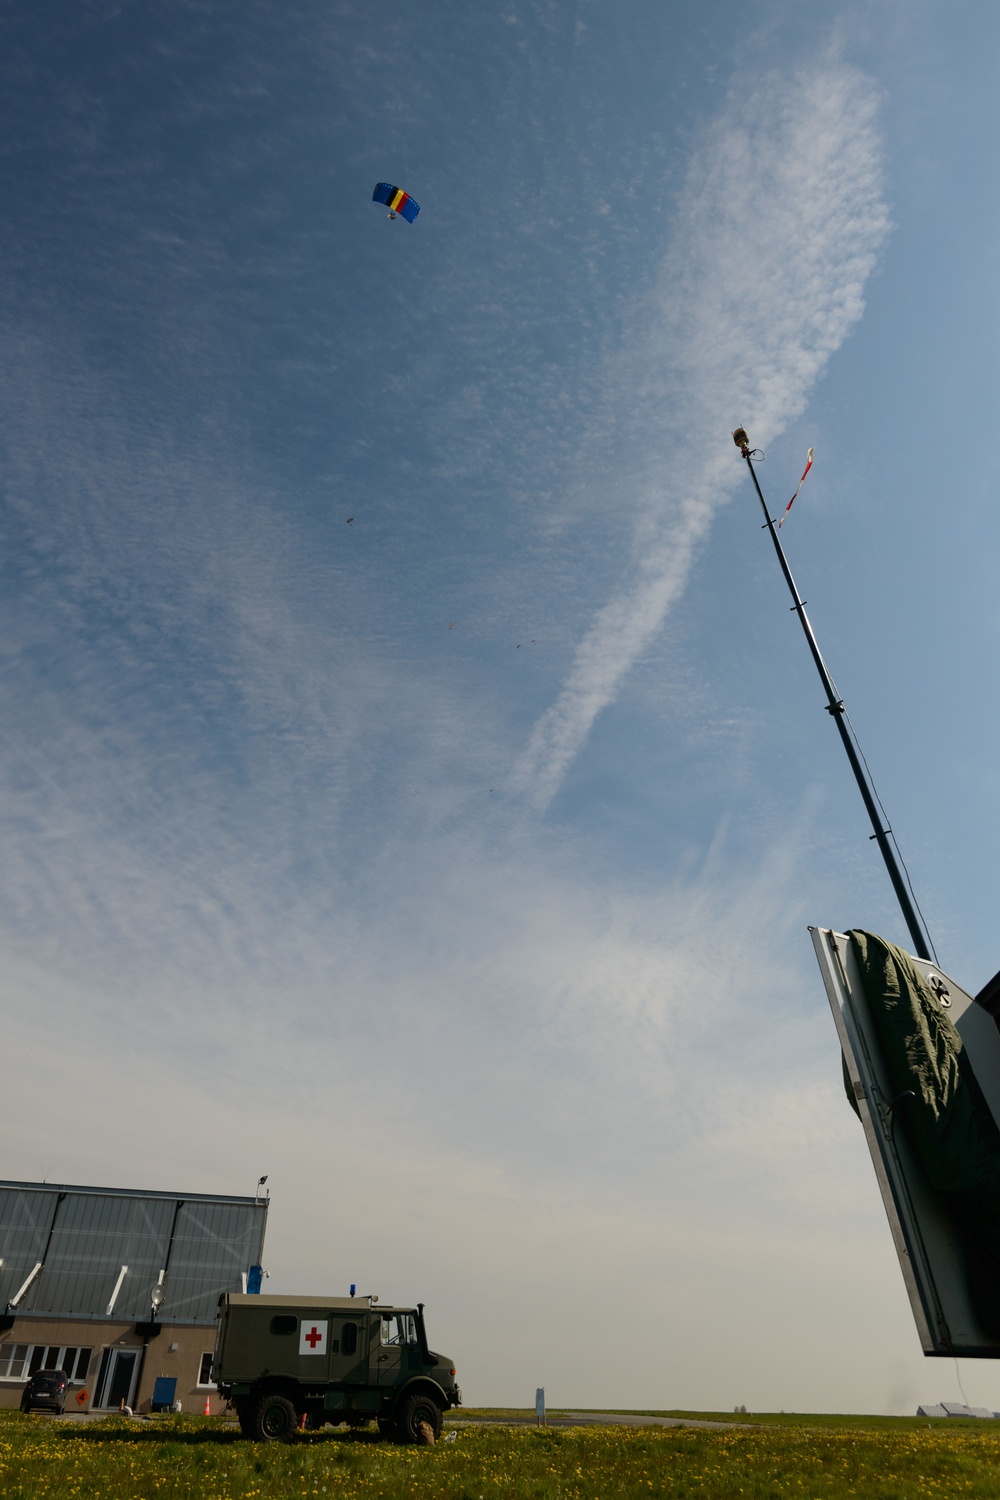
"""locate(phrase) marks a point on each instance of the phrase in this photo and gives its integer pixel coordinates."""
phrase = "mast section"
(835, 708)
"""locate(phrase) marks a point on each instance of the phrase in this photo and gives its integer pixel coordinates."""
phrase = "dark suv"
(47, 1389)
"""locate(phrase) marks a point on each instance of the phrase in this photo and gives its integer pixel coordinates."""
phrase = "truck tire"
(275, 1419)
(418, 1413)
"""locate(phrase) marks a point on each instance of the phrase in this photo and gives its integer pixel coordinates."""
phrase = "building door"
(116, 1380)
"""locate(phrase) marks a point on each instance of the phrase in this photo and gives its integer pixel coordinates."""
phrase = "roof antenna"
(922, 945)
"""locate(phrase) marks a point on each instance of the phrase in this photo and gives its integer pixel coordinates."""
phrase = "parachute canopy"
(395, 200)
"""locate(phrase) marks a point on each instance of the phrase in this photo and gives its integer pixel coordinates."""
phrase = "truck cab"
(285, 1363)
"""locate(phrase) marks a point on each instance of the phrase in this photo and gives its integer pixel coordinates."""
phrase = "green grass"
(807, 1457)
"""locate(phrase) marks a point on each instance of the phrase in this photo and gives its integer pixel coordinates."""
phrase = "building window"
(18, 1361)
(205, 1373)
(13, 1358)
(76, 1363)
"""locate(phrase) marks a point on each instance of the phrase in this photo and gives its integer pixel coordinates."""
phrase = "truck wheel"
(418, 1413)
(275, 1419)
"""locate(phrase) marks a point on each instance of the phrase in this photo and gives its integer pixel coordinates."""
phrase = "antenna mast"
(835, 708)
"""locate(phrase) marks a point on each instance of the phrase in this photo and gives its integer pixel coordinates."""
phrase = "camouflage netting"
(947, 1123)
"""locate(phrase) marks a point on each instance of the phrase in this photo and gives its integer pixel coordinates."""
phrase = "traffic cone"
(208, 1407)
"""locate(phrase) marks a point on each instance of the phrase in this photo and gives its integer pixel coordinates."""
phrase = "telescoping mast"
(882, 836)
(922, 1070)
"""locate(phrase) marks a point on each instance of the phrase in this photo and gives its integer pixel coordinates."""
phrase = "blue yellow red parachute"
(396, 201)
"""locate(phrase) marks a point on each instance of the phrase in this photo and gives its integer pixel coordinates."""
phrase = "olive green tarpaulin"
(940, 1109)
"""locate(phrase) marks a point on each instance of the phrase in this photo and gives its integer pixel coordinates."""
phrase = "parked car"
(47, 1389)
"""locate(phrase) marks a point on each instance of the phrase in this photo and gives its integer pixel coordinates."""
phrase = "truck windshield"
(398, 1328)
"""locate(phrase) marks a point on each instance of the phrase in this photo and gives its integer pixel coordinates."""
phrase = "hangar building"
(119, 1287)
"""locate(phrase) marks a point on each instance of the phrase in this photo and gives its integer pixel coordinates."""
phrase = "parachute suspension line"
(883, 835)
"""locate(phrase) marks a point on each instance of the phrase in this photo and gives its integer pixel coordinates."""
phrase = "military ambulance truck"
(285, 1363)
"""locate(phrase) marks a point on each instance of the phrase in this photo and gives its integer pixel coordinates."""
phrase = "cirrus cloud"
(778, 227)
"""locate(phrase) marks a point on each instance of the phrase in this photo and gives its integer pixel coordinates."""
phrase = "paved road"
(628, 1419)
(591, 1419)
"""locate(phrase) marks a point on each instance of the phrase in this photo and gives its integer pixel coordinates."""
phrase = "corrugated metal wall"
(213, 1244)
(91, 1235)
(25, 1217)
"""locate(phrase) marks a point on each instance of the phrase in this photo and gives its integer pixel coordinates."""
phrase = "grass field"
(889, 1458)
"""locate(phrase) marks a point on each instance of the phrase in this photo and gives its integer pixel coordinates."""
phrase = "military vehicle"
(288, 1363)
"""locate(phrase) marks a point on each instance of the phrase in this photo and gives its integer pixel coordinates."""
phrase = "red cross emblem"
(313, 1336)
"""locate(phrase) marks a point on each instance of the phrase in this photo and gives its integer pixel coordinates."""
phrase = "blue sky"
(453, 866)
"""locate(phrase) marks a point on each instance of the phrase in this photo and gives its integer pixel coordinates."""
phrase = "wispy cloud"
(777, 229)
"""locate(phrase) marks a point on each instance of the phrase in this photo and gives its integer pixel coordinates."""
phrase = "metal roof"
(82, 1252)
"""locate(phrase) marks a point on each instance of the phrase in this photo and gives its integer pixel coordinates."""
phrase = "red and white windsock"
(805, 471)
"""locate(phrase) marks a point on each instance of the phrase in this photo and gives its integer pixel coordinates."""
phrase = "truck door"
(349, 1348)
(397, 1352)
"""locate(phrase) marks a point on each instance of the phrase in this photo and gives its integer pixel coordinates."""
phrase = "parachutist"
(397, 201)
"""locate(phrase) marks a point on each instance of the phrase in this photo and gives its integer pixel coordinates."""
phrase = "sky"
(414, 786)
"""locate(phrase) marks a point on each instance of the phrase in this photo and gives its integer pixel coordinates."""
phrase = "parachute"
(396, 201)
